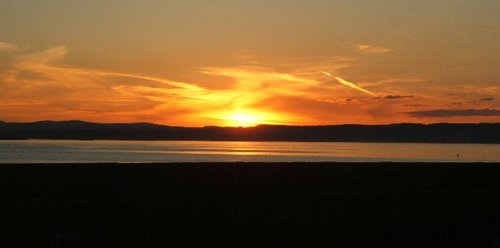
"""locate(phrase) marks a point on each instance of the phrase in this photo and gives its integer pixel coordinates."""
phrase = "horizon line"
(253, 126)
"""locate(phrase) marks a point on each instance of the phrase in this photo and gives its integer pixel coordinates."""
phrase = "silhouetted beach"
(250, 205)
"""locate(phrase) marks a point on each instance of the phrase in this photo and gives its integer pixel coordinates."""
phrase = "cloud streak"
(437, 113)
(396, 97)
(348, 84)
(354, 86)
(7, 47)
(364, 48)
(487, 99)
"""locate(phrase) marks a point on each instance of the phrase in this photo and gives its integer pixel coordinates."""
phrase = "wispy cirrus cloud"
(365, 48)
(349, 84)
(39, 85)
(6, 46)
(55, 91)
(60, 92)
(42, 58)
(354, 86)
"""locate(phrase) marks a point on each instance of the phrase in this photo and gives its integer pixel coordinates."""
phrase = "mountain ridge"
(396, 132)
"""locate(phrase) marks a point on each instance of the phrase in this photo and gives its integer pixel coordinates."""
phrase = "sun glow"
(252, 117)
(243, 119)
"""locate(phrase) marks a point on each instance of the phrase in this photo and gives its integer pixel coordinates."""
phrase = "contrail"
(349, 84)
(326, 73)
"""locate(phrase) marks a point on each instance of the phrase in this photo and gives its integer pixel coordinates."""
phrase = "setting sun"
(242, 119)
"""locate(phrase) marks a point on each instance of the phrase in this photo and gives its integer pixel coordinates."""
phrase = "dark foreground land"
(250, 205)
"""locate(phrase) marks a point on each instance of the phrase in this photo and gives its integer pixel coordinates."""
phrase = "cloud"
(354, 86)
(62, 92)
(414, 105)
(55, 91)
(44, 57)
(39, 85)
(394, 97)
(487, 99)
(364, 48)
(454, 113)
(327, 74)
(87, 110)
(6, 46)
(348, 84)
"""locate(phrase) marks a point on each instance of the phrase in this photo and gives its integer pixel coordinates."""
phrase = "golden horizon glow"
(246, 118)
(240, 119)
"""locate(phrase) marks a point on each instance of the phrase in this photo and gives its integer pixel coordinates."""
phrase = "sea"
(117, 151)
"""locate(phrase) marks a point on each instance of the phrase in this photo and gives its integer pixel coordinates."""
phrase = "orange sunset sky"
(199, 63)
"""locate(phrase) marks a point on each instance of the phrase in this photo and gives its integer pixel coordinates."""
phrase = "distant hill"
(404, 132)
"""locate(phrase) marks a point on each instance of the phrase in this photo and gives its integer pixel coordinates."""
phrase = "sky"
(249, 62)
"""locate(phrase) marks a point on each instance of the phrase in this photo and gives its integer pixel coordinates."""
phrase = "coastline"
(251, 204)
(452, 133)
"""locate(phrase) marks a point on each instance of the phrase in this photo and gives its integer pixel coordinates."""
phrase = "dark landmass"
(433, 133)
(250, 205)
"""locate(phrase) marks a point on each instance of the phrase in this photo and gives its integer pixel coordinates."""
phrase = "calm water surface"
(62, 151)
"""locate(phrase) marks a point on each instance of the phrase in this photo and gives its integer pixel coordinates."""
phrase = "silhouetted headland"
(405, 132)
